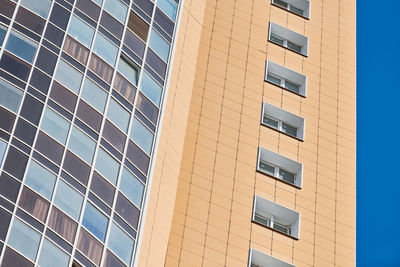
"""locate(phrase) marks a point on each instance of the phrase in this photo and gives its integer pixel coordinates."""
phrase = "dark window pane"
(5, 219)
(134, 43)
(112, 261)
(40, 81)
(102, 69)
(30, 20)
(83, 261)
(20, 145)
(111, 24)
(31, 109)
(6, 119)
(89, 8)
(25, 131)
(128, 211)
(125, 88)
(34, 204)
(49, 148)
(164, 22)
(15, 163)
(145, 5)
(7, 8)
(54, 35)
(156, 63)
(89, 115)
(138, 26)
(138, 157)
(63, 225)
(9, 187)
(147, 108)
(114, 136)
(76, 50)
(59, 16)
(46, 61)
(76, 167)
(13, 259)
(58, 240)
(15, 66)
(102, 188)
(63, 96)
(90, 246)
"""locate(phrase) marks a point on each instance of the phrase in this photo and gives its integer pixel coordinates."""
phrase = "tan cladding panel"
(211, 223)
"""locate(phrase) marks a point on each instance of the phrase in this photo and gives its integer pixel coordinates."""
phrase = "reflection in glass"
(107, 166)
(94, 95)
(82, 145)
(81, 31)
(159, 45)
(95, 221)
(151, 88)
(34, 204)
(118, 115)
(129, 70)
(51, 255)
(68, 199)
(120, 243)
(24, 239)
(21, 46)
(10, 96)
(117, 9)
(40, 179)
(132, 188)
(40, 7)
(142, 136)
(3, 31)
(63, 225)
(90, 246)
(3, 147)
(105, 49)
(55, 125)
(169, 7)
(68, 76)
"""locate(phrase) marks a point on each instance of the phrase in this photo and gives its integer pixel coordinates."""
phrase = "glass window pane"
(40, 7)
(81, 31)
(142, 136)
(129, 70)
(118, 115)
(3, 31)
(10, 96)
(117, 9)
(286, 176)
(21, 46)
(95, 222)
(290, 130)
(132, 187)
(40, 179)
(51, 255)
(294, 46)
(99, 2)
(107, 166)
(55, 125)
(68, 200)
(3, 146)
(168, 7)
(82, 145)
(24, 239)
(296, 10)
(120, 243)
(292, 86)
(281, 3)
(159, 45)
(68, 76)
(270, 122)
(151, 88)
(94, 95)
(267, 168)
(273, 79)
(276, 39)
(105, 49)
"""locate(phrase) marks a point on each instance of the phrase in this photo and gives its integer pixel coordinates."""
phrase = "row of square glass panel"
(286, 229)
(284, 83)
(286, 43)
(277, 172)
(280, 126)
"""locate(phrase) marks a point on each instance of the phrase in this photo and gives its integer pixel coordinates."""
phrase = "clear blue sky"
(378, 133)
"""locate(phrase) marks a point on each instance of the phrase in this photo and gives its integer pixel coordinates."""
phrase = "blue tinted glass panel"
(120, 243)
(3, 31)
(159, 45)
(151, 88)
(81, 31)
(168, 7)
(10, 96)
(40, 179)
(82, 145)
(95, 222)
(118, 115)
(68, 200)
(99, 2)
(51, 255)
(107, 166)
(142, 136)
(105, 49)
(3, 146)
(55, 125)
(68, 76)
(94, 95)
(24, 239)
(21, 46)
(132, 187)
(117, 9)
(128, 70)
(40, 7)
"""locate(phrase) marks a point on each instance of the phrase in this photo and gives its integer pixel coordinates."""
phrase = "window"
(24, 239)
(118, 115)
(82, 145)
(69, 76)
(40, 7)
(55, 125)
(277, 217)
(117, 9)
(21, 46)
(94, 95)
(285, 78)
(132, 187)
(81, 31)
(258, 259)
(287, 38)
(10, 96)
(40, 179)
(3, 31)
(107, 166)
(3, 147)
(283, 121)
(169, 7)
(280, 167)
(142, 136)
(159, 45)
(121, 244)
(128, 69)
(95, 222)
(68, 200)
(51, 255)
(299, 7)
(105, 49)
(151, 88)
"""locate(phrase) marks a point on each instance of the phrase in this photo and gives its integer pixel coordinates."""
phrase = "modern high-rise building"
(177, 133)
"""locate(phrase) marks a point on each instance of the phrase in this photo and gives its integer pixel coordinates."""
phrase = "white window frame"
(288, 36)
(303, 5)
(259, 259)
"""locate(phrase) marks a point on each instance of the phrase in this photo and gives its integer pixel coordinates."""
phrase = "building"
(177, 133)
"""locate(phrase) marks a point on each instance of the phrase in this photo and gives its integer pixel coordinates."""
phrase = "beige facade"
(200, 205)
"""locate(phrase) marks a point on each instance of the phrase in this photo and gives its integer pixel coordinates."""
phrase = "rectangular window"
(95, 221)
(40, 179)
(24, 239)
(82, 145)
(118, 115)
(169, 7)
(132, 187)
(68, 200)
(3, 147)
(55, 125)
(129, 69)
(117, 9)
(288, 39)
(40, 7)
(142, 136)
(105, 49)
(121, 244)
(151, 88)
(159, 45)
(51, 255)
(81, 31)
(69, 76)
(258, 259)
(107, 166)
(299, 7)
(94, 95)
(21, 46)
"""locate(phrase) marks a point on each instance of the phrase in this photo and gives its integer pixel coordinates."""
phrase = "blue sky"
(378, 133)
